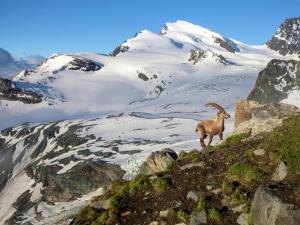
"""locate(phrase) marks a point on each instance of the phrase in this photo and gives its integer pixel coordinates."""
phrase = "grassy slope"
(231, 172)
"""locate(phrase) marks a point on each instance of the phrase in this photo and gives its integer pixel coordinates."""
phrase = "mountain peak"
(286, 38)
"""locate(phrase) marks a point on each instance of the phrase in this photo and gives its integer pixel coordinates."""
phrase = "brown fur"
(212, 127)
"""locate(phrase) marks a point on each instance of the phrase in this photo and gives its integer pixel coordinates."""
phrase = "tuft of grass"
(244, 172)
(227, 187)
(160, 184)
(182, 215)
(201, 204)
(214, 215)
(283, 143)
(140, 183)
(238, 197)
(234, 139)
(88, 215)
(250, 218)
(192, 156)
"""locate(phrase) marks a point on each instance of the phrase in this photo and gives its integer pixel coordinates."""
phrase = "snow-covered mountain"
(10, 65)
(113, 111)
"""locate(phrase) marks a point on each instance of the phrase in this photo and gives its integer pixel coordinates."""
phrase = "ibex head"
(222, 113)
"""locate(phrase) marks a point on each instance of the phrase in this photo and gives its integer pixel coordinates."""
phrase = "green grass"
(182, 215)
(283, 143)
(227, 187)
(89, 216)
(214, 215)
(244, 172)
(192, 156)
(232, 140)
(160, 184)
(238, 197)
(201, 204)
(250, 218)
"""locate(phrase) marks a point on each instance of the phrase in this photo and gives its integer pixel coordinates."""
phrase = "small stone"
(239, 208)
(193, 196)
(180, 224)
(216, 191)
(259, 152)
(153, 223)
(280, 172)
(126, 213)
(242, 219)
(209, 187)
(199, 218)
(164, 213)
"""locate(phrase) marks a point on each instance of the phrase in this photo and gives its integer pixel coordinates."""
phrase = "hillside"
(215, 186)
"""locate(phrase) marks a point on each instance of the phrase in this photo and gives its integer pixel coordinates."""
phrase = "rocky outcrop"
(198, 55)
(10, 91)
(158, 162)
(120, 49)
(268, 209)
(227, 44)
(83, 65)
(250, 116)
(286, 39)
(276, 81)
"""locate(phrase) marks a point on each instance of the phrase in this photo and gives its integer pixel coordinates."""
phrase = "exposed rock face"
(158, 162)
(83, 65)
(255, 117)
(280, 172)
(120, 49)
(227, 44)
(286, 40)
(54, 167)
(268, 209)
(10, 91)
(276, 81)
(199, 55)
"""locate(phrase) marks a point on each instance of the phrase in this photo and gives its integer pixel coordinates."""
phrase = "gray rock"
(280, 172)
(164, 213)
(242, 219)
(158, 162)
(268, 209)
(199, 218)
(259, 152)
(192, 196)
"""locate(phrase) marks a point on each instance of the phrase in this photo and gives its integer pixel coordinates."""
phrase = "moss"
(182, 215)
(250, 153)
(201, 204)
(234, 139)
(283, 143)
(160, 184)
(238, 197)
(214, 215)
(244, 172)
(250, 218)
(86, 216)
(227, 187)
(192, 156)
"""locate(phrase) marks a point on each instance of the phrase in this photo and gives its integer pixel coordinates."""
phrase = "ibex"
(212, 127)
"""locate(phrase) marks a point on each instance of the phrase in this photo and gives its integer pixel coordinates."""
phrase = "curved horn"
(215, 105)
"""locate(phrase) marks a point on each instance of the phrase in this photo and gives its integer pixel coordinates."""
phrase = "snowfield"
(147, 97)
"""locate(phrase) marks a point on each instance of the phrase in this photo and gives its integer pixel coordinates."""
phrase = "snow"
(293, 98)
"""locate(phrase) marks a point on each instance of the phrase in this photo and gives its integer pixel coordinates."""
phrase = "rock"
(120, 49)
(199, 55)
(126, 214)
(164, 213)
(242, 219)
(259, 152)
(251, 116)
(158, 162)
(101, 204)
(153, 223)
(239, 208)
(216, 191)
(199, 218)
(10, 91)
(280, 172)
(209, 187)
(227, 44)
(190, 165)
(192, 196)
(268, 209)
(286, 39)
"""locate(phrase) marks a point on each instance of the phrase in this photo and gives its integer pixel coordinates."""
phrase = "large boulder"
(158, 162)
(250, 116)
(268, 209)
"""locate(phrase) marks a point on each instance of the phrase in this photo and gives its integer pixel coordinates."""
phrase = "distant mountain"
(10, 66)
(286, 39)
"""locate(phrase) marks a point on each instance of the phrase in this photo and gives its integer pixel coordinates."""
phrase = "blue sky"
(66, 26)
